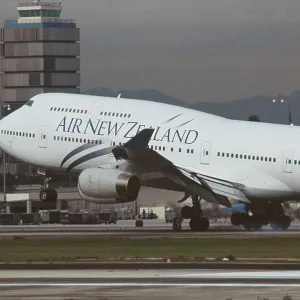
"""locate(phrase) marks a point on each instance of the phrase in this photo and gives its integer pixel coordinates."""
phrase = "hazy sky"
(196, 50)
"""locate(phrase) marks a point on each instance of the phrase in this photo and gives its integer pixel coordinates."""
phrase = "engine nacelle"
(111, 186)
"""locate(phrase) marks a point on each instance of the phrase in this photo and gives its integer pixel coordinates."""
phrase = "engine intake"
(108, 184)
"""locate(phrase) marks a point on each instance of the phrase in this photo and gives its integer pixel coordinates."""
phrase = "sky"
(195, 50)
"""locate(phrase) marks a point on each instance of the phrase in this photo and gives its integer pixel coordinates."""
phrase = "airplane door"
(205, 153)
(43, 137)
(288, 161)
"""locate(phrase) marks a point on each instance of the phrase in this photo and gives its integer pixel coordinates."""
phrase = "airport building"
(39, 53)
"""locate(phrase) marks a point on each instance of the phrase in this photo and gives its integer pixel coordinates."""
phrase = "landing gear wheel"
(204, 224)
(48, 195)
(237, 219)
(44, 195)
(199, 224)
(281, 223)
(52, 194)
(251, 223)
(177, 224)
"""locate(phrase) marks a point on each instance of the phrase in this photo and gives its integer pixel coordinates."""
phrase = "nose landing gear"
(47, 193)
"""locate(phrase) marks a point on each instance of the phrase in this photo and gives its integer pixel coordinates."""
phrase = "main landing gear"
(258, 215)
(197, 221)
(47, 193)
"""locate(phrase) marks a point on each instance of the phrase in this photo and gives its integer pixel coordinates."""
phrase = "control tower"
(40, 53)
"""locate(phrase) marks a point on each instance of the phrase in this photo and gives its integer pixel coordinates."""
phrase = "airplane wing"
(144, 159)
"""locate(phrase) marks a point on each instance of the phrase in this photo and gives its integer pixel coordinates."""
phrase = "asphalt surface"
(150, 284)
(151, 228)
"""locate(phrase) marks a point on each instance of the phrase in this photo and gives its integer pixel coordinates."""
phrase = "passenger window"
(266, 159)
(290, 161)
(121, 115)
(84, 140)
(51, 108)
(85, 112)
(192, 151)
(77, 140)
(29, 134)
(101, 113)
(54, 138)
(253, 157)
(117, 114)
(218, 153)
(73, 140)
(70, 109)
(188, 150)
(245, 156)
(274, 159)
(125, 115)
(179, 149)
(54, 108)
(249, 156)
(257, 157)
(78, 110)
(164, 148)
(226, 155)
(105, 113)
(62, 109)
(109, 114)
(69, 139)
(82, 111)
(171, 149)
(80, 140)
(232, 156)
(113, 114)
(66, 139)
(129, 116)
(58, 109)
(223, 154)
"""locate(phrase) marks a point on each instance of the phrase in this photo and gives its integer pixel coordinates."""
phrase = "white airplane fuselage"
(71, 133)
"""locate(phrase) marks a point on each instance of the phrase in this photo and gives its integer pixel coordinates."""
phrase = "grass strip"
(20, 249)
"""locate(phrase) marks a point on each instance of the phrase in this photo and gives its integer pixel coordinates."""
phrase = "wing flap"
(214, 190)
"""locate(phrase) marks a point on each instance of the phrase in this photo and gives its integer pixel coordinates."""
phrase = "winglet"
(140, 140)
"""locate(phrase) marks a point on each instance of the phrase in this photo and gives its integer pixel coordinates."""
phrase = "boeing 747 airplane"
(118, 145)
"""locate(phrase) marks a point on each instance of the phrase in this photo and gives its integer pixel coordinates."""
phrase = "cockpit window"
(29, 103)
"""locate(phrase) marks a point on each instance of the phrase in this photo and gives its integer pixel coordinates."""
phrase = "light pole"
(3, 107)
(290, 114)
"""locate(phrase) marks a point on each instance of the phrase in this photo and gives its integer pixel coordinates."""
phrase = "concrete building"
(39, 52)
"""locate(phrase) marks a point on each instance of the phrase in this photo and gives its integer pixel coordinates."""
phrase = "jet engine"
(108, 186)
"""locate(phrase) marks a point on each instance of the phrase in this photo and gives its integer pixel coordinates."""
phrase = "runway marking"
(193, 285)
(244, 275)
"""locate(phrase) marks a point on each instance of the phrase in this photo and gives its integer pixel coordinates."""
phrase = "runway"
(151, 228)
(148, 284)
